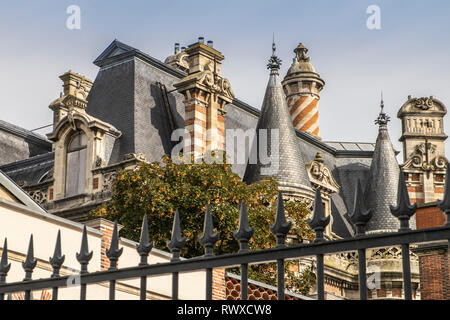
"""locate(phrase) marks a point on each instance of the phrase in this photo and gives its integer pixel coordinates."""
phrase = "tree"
(158, 189)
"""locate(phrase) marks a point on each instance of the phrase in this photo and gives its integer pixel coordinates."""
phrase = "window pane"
(78, 141)
(75, 172)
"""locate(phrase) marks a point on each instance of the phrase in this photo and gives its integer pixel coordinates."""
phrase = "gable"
(6, 195)
(11, 192)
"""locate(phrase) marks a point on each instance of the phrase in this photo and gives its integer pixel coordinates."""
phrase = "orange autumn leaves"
(159, 188)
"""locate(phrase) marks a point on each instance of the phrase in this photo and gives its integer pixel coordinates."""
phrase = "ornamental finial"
(383, 118)
(274, 62)
(300, 53)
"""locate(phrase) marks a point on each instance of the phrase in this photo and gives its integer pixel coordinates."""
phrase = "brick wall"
(219, 285)
(429, 216)
(433, 257)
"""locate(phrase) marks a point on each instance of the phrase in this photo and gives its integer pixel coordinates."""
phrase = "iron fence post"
(320, 278)
(406, 272)
(362, 274)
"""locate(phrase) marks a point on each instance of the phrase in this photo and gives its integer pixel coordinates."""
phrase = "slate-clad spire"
(382, 184)
(289, 169)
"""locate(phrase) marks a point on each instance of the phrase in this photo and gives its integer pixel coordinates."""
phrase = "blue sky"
(409, 55)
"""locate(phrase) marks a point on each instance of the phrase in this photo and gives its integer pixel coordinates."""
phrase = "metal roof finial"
(383, 118)
(274, 62)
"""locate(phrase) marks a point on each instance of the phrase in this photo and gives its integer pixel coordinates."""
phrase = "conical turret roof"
(382, 184)
(289, 169)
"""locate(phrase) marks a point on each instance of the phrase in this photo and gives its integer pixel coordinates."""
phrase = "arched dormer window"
(76, 164)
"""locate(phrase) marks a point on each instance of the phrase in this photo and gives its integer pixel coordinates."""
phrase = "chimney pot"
(177, 48)
(183, 48)
(201, 39)
(210, 43)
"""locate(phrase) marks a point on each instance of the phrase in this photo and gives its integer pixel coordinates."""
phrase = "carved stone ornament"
(418, 159)
(40, 196)
(137, 156)
(215, 83)
(320, 175)
(108, 180)
(423, 103)
(98, 161)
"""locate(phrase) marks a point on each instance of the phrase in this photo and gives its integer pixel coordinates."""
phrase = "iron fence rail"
(244, 257)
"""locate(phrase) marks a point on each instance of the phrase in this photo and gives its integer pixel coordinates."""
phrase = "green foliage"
(158, 189)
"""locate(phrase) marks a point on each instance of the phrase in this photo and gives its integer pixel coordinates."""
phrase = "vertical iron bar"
(175, 286)
(143, 288)
(83, 291)
(406, 272)
(2, 281)
(320, 278)
(280, 279)
(55, 293)
(209, 284)
(27, 295)
(244, 281)
(362, 274)
(112, 289)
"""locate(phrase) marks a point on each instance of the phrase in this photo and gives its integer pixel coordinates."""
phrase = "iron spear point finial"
(114, 253)
(4, 265)
(208, 238)
(30, 262)
(319, 220)
(274, 62)
(444, 204)
(360, 215)
(382, 118)
(177, 241)
(57, 260)
(245, 232)
(144, 247)
(84, 256)
(404, 210)
(281, 227)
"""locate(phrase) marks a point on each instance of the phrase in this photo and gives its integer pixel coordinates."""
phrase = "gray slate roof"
(291, 170)
(382, 184)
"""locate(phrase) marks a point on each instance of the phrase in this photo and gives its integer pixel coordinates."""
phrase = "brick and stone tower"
(302, 86)
(287, 166)
(206, 94)
(423, 140)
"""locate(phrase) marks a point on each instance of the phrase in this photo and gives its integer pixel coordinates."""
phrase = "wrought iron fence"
(244, 257)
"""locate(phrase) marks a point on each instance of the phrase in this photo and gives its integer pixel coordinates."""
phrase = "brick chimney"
(106, 227)
(206, 93)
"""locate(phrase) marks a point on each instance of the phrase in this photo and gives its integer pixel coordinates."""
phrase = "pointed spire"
(30, 262)
(144, 247)
(274, 62)
(404, 210)
(84, 256)
(319, 220)
(113, 253)
(276, 139)
(57, 260)
(360, 215)
(208, 238)
(281, 227)
(245, 232)
(444, 204)
(4, 264)
(382, 183)
(383, 118)
(177, 241)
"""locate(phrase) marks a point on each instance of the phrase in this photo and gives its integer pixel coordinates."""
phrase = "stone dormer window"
(76, 164)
